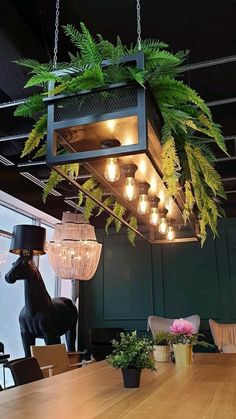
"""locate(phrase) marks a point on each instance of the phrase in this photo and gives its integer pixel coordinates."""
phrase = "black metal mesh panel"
(96, 103)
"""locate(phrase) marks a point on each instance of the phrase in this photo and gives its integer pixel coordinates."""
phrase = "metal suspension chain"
(56, 34)
(138, 26)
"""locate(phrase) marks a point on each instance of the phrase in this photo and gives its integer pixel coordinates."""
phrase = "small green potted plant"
(161, 347)
(132, 354)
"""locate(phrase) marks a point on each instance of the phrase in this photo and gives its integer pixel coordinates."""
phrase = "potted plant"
(183, 336)
(131, 354)
(161, 347)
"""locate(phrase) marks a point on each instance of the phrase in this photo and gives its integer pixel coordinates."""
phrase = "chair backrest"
(24, 370)
(224, 335)
(51, 355)
(156, 323)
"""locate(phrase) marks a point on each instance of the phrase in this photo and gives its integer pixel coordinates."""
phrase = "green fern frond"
(175, 92)
(119, 211)
(90, 204)
(107, 202)
(30, 107)
(52, 182)
(131, 235)
(137, 75)
(74, 35)
(90, 184)
(214, 131)
(109, 221)
(211, 177)
(80, 198)
(41, 152)
(91, 78)
(33, 65)
(189, 201)
(170, 166)
(41, 78)
(36, 135)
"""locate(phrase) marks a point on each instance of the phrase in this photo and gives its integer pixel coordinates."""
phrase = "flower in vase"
(181, 326)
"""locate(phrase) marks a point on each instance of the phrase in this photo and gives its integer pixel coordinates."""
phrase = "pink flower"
(182, 326)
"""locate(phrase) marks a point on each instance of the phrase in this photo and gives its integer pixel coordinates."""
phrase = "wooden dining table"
(204, 390)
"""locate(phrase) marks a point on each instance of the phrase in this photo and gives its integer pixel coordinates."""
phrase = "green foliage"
(132, 352)
(186, 159)
(170, 166)
(30, 107)
(55, 178)
(36, 135)
(161, 338)
(131, 235)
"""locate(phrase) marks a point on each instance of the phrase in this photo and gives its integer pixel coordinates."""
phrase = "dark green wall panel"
(190, 280)
(127, 279)
(171, 280)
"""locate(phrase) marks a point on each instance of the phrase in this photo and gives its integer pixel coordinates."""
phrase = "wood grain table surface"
(204, 390)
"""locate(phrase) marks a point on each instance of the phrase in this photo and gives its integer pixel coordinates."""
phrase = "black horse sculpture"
(42, 317)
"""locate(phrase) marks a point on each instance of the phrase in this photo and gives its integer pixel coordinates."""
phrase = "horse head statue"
(21, 269)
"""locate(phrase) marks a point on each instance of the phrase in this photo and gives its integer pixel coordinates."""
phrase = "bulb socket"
(143, 188)
(129, 170)
(109, 143)
(154, 201)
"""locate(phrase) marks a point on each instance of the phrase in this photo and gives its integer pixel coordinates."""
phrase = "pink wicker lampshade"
(74, 252)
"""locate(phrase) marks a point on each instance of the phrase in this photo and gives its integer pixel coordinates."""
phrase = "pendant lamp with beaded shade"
(74, 252)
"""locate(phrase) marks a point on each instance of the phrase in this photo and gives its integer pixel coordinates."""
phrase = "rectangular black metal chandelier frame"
(101, 104)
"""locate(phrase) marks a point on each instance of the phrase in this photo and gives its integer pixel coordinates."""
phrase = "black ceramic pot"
(131, 377)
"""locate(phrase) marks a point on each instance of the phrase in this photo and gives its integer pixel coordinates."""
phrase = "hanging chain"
(56, 34)
(138, 26)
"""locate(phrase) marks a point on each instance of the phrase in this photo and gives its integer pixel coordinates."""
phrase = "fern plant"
(187, 161)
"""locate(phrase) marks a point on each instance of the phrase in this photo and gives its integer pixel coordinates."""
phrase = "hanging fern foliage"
(187, 162)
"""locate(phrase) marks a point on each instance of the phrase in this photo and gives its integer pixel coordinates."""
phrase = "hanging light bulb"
(154, 214)
(170, 235)
(163, 221)
(112, 170)
(143, 201)
(130, 190)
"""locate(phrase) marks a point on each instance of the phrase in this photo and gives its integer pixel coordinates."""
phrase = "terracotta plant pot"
(161, 353)
(131, 377)
(183, 354)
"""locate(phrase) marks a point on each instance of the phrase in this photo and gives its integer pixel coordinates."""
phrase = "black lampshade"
(28, 238)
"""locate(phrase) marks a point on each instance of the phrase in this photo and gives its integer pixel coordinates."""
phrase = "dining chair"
(224, 335)
(56, 356)
(3, 359)
(24, 370)
(100, 341)
(158, 324)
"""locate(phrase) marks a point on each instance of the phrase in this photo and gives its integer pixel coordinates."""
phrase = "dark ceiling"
(206, 28)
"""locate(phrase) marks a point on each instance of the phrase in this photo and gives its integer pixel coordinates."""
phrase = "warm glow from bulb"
(112, 171)
(153, 186)
(111, 124)
(170, 233)
(142, 167)
(128, 140)
(143, 204)
(130, 191)
(169, 205)
(154, 216)
(163, 226)
(162, 196)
